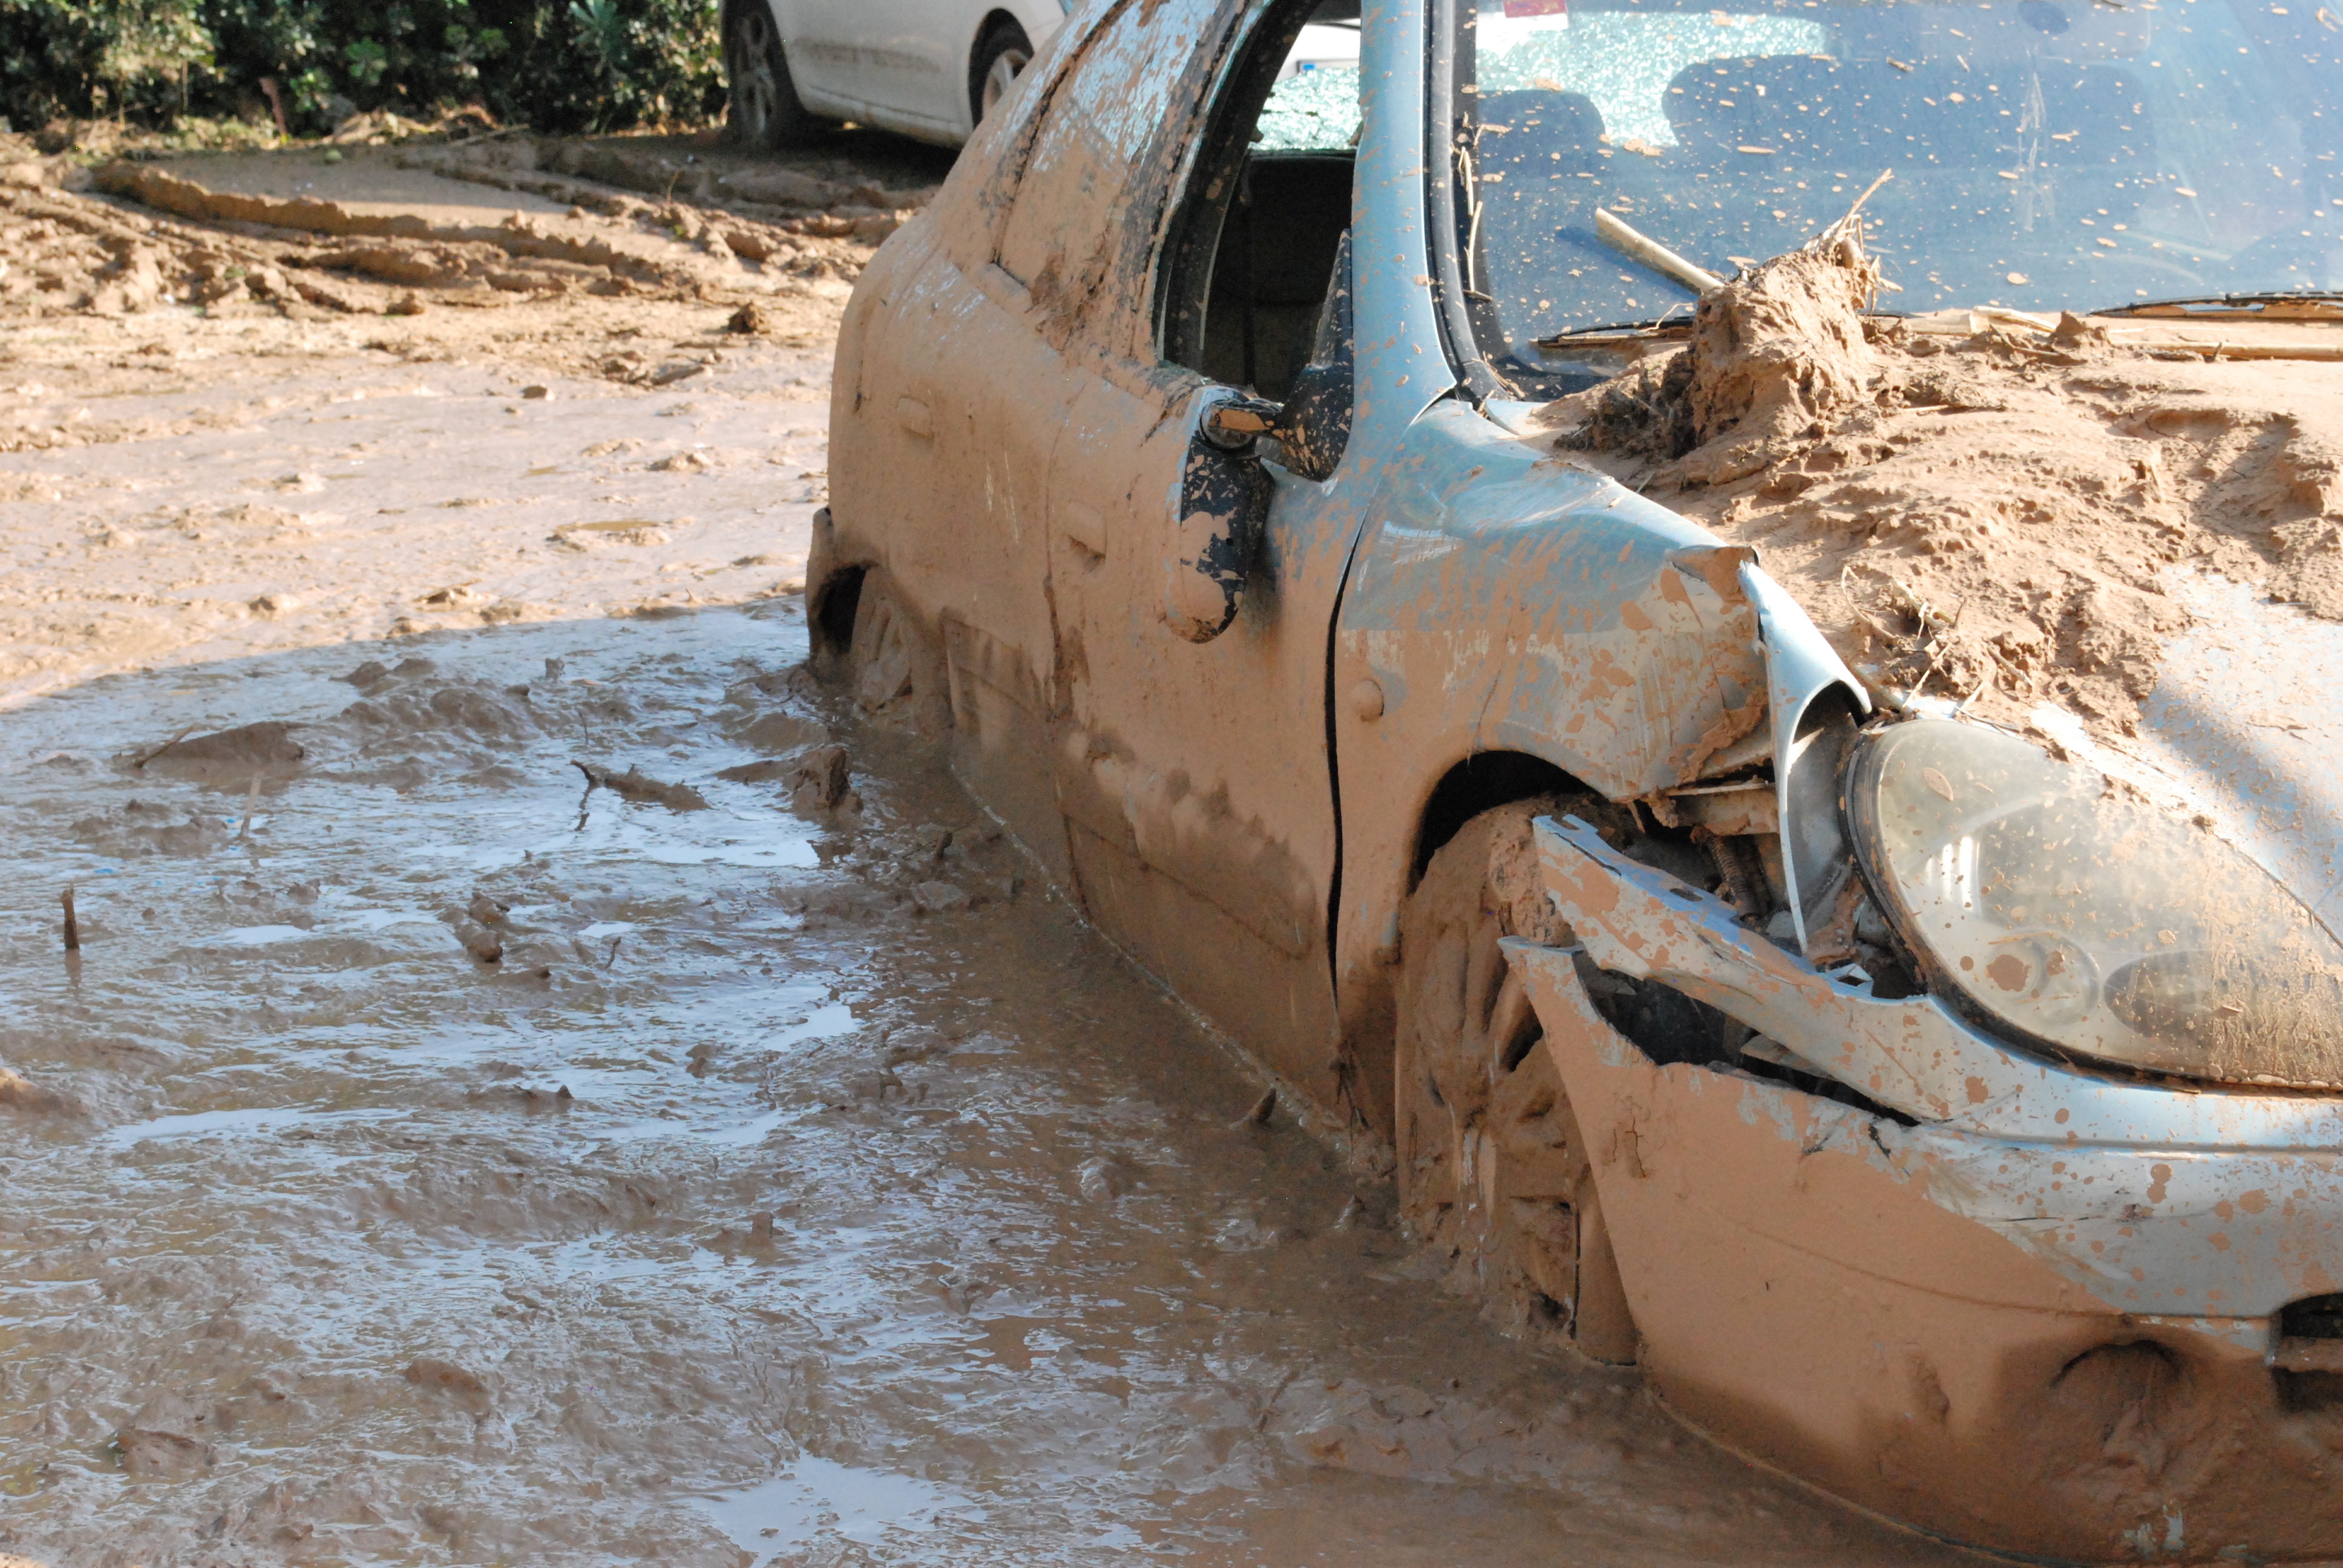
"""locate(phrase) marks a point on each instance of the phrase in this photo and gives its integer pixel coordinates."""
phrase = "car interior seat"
(1269, 273)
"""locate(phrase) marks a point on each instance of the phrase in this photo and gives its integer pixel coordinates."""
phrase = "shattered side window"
(1103, 112)
(1315, 107)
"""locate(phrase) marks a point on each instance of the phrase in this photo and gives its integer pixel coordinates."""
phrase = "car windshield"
(2043, 154)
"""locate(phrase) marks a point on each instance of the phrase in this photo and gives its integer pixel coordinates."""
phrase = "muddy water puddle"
(794, 1189)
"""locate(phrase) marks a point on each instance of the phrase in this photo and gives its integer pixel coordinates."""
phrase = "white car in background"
(928, 68)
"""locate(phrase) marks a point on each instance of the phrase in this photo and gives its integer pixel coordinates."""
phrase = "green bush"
(557, 64)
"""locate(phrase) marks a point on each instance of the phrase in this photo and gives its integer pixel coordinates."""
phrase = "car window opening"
(1257, 242)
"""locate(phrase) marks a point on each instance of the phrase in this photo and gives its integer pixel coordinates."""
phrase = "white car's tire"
(765, 111)
(1001, 57)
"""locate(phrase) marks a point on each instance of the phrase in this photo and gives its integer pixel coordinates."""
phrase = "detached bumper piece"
(2079, 1318)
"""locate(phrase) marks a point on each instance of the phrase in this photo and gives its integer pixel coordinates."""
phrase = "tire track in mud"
(802, 1187)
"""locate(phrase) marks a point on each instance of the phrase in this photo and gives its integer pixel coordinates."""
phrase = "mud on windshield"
(2044, 155)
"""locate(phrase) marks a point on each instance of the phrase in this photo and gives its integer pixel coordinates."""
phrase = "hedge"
(555, 64)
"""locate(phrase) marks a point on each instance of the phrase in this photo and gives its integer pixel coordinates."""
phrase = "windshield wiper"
(1582, 336)
(2322, 300)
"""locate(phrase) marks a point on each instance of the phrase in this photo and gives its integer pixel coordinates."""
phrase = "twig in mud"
(636, 785)
(175, 740)
(1846, 238)
(482, 137)
(613, 957)
(1852, 215)
(1935, 652)
(73, 925)
(251, 805)
(1985, 682)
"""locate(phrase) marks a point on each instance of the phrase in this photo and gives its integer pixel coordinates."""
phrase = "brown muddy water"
(746, 1212)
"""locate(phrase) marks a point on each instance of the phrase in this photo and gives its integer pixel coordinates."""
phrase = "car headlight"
(2055, 901)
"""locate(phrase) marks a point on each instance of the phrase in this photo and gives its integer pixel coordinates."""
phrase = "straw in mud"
(73, 926)
(251, 805)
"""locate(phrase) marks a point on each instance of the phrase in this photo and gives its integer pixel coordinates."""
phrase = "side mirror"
(1223, 500)
(1223, 489)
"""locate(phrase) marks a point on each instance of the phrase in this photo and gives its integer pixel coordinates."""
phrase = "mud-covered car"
(1891, 994)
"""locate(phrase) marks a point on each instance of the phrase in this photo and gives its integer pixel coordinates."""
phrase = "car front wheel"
(1001, 57)
(883, 653)
(764, 110)
(1491, 1176)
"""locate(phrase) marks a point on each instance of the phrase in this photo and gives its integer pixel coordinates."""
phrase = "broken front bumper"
(2030, 1307)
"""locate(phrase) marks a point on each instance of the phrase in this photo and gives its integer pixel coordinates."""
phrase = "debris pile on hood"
(1985, 511)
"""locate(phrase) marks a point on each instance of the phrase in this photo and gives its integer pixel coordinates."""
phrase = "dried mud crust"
(1488, 1165)
(195, 456)
(1990, 517)
(138, 238)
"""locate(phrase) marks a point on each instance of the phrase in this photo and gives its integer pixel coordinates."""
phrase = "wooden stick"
(175, 740)
(1648, 252)
(73, 926)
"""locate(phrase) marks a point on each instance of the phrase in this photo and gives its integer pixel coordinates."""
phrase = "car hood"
(2123, 536)
(2244, 724)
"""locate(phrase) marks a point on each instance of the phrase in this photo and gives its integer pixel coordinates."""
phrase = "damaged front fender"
(2025, 1304)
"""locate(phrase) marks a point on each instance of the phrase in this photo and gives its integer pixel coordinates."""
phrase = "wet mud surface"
(793, 1188)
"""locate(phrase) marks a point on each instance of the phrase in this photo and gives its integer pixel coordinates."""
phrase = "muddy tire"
(1488, 1164)
(1001, 57)
(765, 111)
(892, 666)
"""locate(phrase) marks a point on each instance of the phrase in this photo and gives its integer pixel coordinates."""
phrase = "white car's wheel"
(765, 111)
(1001, 56)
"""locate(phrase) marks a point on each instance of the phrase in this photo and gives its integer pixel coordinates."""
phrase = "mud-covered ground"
(444, 402)
(796, 1185)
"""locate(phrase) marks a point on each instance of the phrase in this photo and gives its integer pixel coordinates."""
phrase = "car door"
(909, 66)
(1193, 776)
(817, 38)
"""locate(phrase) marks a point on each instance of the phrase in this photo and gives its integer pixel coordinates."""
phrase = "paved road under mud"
(745, 1210)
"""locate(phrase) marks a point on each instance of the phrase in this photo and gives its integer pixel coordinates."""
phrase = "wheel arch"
(992, 18)
(732, 9)
(1476, 782)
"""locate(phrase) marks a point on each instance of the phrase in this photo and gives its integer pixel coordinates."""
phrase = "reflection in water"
(819, 1496)
(740, 1195)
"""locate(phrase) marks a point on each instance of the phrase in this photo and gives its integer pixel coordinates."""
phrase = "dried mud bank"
(170, 238)
(795, 1184)
(1989, 507)
(436, 404)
